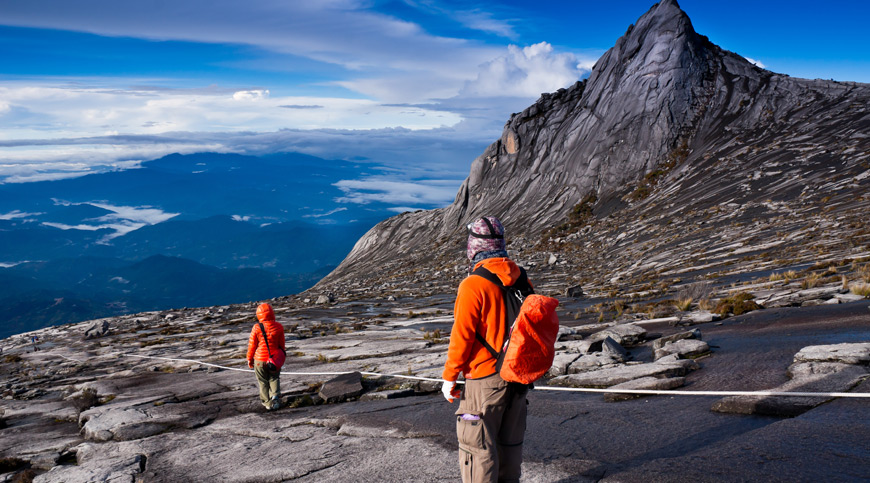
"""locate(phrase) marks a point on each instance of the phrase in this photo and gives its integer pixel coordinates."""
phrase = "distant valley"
(183, 230)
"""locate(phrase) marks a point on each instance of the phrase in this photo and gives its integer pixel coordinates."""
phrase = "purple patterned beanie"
(485, 237)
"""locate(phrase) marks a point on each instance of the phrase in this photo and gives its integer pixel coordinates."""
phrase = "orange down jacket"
(479, 309)
(275, 331)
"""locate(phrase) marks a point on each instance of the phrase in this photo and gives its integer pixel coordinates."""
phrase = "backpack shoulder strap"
(520, 288)
(265, 337)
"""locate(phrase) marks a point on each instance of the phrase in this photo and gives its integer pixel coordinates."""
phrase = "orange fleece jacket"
(479, 309)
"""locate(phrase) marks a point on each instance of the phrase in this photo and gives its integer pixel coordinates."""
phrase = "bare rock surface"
(845, 353)
(824, 369)
(650, 383)
(691, 334)
(684, 348)
(610, 376)
(624, 334)
(561, 362)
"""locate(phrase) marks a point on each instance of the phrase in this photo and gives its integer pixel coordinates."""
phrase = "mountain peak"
(658, 39)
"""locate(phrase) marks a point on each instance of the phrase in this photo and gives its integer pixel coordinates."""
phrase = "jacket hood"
(505, 268)
(264, 313)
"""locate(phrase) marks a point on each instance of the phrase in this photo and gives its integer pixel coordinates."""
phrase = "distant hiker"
(267, 341)
(35, 340)
(491, 419)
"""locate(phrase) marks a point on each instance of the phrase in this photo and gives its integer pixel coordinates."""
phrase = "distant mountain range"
(183, 230)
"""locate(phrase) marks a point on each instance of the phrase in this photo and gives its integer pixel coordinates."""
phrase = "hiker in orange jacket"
(491, 418)
(258, 355)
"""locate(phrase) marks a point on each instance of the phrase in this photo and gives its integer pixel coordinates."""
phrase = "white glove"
(447, 389)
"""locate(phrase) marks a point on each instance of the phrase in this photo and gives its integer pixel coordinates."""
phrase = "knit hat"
(485, 235)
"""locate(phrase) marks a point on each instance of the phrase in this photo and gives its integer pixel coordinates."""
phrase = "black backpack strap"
(486, 345)
(521, 284)
(265, 337)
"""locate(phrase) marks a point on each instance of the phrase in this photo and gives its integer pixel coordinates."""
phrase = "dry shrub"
(86, 400)
(737, 304)
(705, 304)
(683, 305)
(811, 280)
(862, 289)
(619, 306)
(786, 276)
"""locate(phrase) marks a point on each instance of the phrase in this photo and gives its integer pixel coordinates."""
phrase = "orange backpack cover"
(530, 347)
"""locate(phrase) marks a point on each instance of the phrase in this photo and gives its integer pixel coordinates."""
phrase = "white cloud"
(83, 227)
(74, 112)
(15, 214)
(321, 215)
(241, 218)
(123, 220)
(404, 209)
(756, 62)
(425, 192)
(144, 214)
(486, 22)
(349, 34)
(525, 72)
(253, 95)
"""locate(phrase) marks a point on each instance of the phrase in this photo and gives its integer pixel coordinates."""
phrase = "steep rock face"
(664, 104)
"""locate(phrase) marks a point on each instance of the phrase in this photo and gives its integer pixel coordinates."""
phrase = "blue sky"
(417, 86)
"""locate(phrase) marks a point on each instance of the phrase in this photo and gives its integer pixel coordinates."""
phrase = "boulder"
(691, 334)
(574, 346)
(324, 299)
(849, 353)
(701, 317)
(97, 329)
(561, 363)
(610, 376)
(568, 333)
(626, 335)
(684, 348)
(575, 291)
(611, 348)
(848, 297)
(649, 383)
(390, 394)
(342, 388)
(592, 362)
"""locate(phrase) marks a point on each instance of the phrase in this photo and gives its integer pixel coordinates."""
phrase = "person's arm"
(466, 318)
(280, 337)
(253, 342)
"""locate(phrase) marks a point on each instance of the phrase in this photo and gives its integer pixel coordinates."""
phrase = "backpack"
(273, 365)
(529, 347)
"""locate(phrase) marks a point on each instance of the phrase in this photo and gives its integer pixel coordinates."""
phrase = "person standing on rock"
(266, 335)
(491, 418)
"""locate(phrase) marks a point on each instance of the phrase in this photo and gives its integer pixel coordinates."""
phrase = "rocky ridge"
(675, 159)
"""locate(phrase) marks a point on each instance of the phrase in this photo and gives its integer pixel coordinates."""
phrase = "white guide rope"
(550, 388)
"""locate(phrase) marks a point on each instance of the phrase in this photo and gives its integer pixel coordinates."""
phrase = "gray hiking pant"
(270, 386)
(491, 449)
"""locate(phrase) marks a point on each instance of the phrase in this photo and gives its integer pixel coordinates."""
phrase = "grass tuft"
(737, 304)
(862, 289)
(683, 305)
